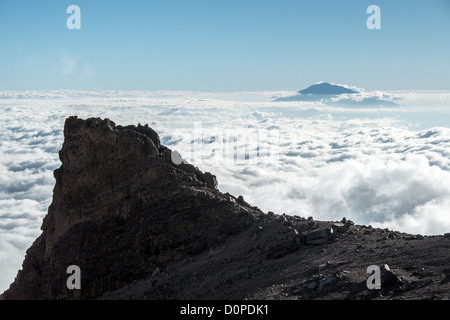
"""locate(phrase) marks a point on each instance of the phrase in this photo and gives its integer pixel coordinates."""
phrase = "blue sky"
(211, 45)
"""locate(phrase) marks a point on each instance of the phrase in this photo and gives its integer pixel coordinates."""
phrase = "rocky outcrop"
(140, 226)
(120, 210)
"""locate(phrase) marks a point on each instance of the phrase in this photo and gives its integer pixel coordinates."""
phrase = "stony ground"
(264, 263)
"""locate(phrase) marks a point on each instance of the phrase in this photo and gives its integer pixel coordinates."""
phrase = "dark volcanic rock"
(119, 211)
(210, 180)
(319, 236)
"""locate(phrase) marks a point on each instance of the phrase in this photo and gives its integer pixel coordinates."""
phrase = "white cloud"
(73, 65)
(68, 65)
(381, 166)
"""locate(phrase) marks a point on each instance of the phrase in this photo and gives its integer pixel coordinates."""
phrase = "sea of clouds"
(387, 167)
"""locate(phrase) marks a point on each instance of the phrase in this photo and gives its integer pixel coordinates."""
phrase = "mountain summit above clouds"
(139, 226)
(341, 96)
(325, 88)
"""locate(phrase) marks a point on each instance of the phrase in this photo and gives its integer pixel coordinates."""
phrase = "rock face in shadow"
(141, 227)
(121, 209)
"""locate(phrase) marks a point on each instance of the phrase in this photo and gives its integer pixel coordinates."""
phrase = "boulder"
(211, 180)
(121, 210)
(339, 227)
(319, 236)
(389, 278)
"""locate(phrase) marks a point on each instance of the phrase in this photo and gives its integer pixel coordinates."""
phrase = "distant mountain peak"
(326, 88)
(339, 95)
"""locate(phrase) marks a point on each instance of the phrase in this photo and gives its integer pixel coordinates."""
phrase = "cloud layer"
(388, 167)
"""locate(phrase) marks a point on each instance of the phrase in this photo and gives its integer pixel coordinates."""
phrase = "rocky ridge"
(141, 227)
